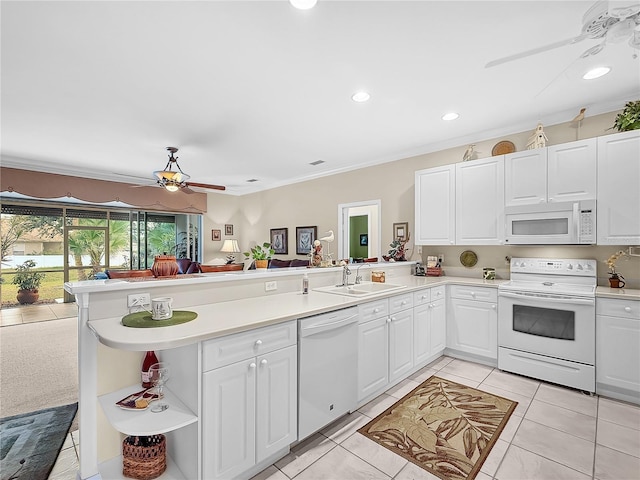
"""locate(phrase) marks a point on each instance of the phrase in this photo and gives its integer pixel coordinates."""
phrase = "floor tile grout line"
(549, 459)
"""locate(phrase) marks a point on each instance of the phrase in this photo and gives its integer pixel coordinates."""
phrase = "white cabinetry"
(480, 202)
(472, 327)
(249, 399)
(429, 324)
(559, 173)
(385, 343)
(618, 204)
(571, 171)
(618, 348)
(435, 206)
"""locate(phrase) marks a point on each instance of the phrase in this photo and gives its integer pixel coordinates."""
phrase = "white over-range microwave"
(571, 223)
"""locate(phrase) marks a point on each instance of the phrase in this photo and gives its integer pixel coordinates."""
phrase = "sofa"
(277, 263)
(185, 265)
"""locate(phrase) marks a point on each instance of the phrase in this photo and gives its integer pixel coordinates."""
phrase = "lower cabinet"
(472, 326)
(249, 407)
(618, 349)
(429, 324)
(385, 343)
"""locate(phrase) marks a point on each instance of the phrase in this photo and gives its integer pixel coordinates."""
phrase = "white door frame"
(375, 227)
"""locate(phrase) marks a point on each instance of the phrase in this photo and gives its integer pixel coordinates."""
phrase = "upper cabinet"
(480, 202)
(435, 206)
(560, 173)
(525, 177)
(618, 201)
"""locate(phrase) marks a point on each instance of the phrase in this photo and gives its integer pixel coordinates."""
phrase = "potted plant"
(28, 282)
(615, 279)
(261, 254)
(629, 119)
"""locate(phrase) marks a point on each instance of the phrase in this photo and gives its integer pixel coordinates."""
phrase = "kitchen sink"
(361, 289)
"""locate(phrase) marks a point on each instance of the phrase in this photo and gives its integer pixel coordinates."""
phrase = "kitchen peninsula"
(235, 306)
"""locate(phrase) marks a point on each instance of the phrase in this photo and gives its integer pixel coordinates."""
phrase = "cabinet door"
(421, 338)
(474, 328)
(617, 352)
(618, 204)
(400, 344)
(525, 176)
(373, 357)
(438, 327)
(435, 206)
(571, 171)
(480, 202)
(276, 401)
(228, 420)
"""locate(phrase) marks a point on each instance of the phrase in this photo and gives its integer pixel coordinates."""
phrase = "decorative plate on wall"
(468, 258)
(503, 147)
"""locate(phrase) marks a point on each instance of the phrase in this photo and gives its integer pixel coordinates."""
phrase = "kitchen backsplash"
(494, 256)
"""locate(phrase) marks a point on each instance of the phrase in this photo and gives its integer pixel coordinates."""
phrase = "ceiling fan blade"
(206, 185)
(535, 51)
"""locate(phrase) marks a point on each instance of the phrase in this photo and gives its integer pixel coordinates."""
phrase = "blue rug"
(30, 443)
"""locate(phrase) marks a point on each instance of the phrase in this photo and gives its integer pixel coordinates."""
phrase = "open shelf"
(145, 422)
(112, 469)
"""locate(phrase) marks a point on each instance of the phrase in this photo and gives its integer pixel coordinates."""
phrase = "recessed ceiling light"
(450, 116)
(303, 4)
(360, 97)
(596, 73)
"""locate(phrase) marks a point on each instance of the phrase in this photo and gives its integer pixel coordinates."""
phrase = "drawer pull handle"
(627, 309)
(376, 310)
(493, 306)
(424, 297)
(258, 343)
(404, 302)
(389, 320)
(263, 361)
(252, 365)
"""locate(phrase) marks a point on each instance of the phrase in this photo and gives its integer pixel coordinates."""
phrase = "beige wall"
(315, 202)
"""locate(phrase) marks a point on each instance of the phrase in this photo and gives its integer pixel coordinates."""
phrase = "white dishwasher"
(327, 368)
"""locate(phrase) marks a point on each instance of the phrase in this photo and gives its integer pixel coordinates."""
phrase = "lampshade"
(230, 246)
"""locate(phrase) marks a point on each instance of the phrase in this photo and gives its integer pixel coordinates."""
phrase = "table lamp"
(230, 247)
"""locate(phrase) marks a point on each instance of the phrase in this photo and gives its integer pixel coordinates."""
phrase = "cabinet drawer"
(369, 311)
(618, 308)
(482, 294)
(241, 346)
(421, 297)
(438, 293)
(400, 302)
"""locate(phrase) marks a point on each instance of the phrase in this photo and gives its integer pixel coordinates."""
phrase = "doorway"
(359, 223)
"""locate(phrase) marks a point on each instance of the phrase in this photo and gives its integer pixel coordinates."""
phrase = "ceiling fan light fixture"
(596, 73)
(303, 4)
(171, 187)
(447, 117)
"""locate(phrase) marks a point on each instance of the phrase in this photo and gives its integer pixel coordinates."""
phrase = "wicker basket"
(434, 271)
(144, 458)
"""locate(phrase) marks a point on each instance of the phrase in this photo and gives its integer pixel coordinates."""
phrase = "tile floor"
(554, 433)
(36, 313)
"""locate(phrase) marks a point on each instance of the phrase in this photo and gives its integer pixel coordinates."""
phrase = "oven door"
(548, 325)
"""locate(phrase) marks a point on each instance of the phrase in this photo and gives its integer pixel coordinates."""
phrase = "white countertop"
(224, 318)
(618, 293)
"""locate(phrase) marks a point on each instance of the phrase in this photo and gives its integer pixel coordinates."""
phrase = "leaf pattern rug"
(442, 426)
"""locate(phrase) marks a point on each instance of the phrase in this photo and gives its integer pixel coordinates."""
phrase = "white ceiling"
(260, 89)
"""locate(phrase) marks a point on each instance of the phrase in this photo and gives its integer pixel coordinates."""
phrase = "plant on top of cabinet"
(629, 119)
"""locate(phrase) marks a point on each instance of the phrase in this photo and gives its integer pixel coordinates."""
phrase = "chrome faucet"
(358, 276)
(345, 276)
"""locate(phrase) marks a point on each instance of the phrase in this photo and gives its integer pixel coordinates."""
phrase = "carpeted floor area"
(39, 367)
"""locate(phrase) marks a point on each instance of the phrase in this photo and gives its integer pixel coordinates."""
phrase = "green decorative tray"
(144, 320)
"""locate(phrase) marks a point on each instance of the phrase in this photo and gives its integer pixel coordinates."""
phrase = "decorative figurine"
(538, 139)
(470, 153)
(316, 257)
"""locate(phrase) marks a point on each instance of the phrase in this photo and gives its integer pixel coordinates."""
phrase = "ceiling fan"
(174, 180)
(614, 22)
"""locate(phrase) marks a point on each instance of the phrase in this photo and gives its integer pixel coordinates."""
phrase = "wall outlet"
(138, 299)
(270, 286)
(419, 248)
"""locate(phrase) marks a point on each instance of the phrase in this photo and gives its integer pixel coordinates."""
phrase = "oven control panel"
(554, 266)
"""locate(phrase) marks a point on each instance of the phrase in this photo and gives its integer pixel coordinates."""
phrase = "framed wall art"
(280, 240)
(216, 235)
(228, 229)
(305, 236)
(364, 239)
(400, 231)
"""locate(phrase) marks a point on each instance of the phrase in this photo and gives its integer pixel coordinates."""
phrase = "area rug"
(443, 427)
(30, 442)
